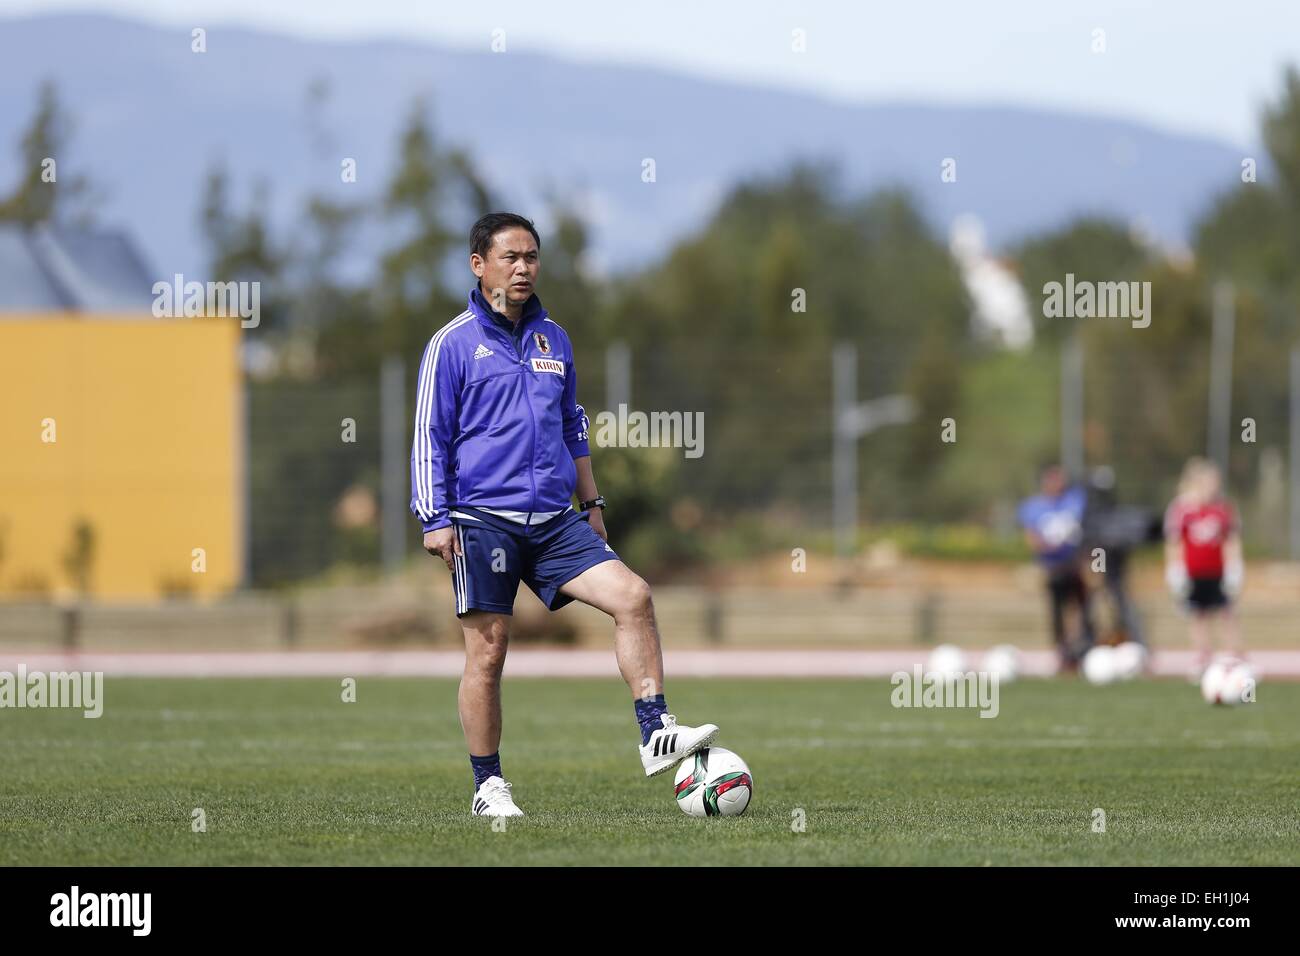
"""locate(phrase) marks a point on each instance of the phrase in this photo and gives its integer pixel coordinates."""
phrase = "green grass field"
(286, 773)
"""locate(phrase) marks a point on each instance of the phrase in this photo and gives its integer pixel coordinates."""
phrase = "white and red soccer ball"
(1228, 681)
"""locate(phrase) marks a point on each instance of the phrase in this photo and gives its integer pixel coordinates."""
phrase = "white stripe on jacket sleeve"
(424, 445)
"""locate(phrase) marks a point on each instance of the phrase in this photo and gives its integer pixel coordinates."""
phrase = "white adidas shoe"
(493, 799)
(672, 743)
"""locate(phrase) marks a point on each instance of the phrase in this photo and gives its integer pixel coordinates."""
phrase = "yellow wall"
(148, 449)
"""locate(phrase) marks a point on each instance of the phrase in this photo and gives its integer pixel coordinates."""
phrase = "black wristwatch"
(596, 502)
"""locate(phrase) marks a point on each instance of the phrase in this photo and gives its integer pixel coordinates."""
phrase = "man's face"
(509, 270)
(1053, 482)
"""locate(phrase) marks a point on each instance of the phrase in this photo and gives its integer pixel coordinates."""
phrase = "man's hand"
(597, 522)
(444, 543)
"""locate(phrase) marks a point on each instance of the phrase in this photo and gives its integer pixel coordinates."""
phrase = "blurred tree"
(1251, 234)
(300, 468)
(334, 317)
(1245, 236)
(571, 297)
(242, 249)
(934, 383)
(1092, 249)
(337, 317)
(1145, 388)
(739, 321)
(79, 559)
(36, 198)
(1281, 133)
(429, 190)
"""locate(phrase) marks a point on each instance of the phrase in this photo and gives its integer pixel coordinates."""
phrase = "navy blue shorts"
(498, 554)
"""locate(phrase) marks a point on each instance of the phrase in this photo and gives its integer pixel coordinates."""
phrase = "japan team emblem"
(543, 343)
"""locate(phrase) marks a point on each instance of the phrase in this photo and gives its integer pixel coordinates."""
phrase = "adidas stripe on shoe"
(671, 743)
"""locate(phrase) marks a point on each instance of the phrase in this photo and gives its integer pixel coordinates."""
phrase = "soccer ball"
(947, 661)
(1130, 658)
(1003, 661)
(1228, 681)
(713, 782)
(1100, 666)
(1238, 686)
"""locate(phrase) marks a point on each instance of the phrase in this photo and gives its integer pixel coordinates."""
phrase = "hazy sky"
(1194, 65)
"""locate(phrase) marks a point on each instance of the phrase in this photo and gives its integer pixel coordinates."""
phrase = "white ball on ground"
(1130, 660)
(1228, 681)
(1239, 685)
(1003, 661)
(1212, 679)
(1099, 665)
(946, 660)
(713, 782)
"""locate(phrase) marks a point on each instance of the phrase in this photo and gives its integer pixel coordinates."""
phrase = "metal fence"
(804, 442)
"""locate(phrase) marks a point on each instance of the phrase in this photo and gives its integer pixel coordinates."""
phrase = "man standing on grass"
(500, 448)
(1053, 523)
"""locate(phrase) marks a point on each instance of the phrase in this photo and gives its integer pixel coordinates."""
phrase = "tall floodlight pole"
(851, 420)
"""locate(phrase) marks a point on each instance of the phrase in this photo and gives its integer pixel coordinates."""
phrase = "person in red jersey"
(1203, 563)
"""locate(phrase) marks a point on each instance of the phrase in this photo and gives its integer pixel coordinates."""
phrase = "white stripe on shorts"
(462, 603)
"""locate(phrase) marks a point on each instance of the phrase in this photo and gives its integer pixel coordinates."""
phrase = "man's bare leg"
(615, 589)
(479, 700)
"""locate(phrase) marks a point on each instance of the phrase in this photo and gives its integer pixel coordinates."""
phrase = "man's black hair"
(480, 237)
